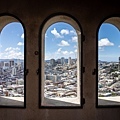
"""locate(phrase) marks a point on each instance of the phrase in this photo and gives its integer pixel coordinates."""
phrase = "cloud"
(59, 50)
(74, 39)
(64, 43)
(101, 48)
(0, 45)
(73, 32)
(65, 52)
(104, 42)
(16, 55)
(60, 53)
(56, 34)
(75, 51)
(71, 52)
(20, 44)
(75, 46)
(64, 31)
(10, 48)
(11, 53)
(22, 36)
(46, 35)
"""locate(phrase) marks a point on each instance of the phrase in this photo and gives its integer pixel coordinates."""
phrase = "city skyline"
(62, 57)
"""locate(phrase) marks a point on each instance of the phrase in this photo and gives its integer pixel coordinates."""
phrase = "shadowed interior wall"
(32, 14)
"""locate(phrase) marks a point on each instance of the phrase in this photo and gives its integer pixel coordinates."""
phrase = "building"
(12, 63)
(14, 72)
(53, 78)
(6, 65)
(62, 60)
(52, 62)
(58, 61)
(69, 61)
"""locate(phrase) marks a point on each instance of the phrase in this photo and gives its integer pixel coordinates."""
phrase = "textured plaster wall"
(32, 14)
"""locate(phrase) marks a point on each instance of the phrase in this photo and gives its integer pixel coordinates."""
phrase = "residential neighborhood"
(108, 78)
(12, 78)
(60, 78)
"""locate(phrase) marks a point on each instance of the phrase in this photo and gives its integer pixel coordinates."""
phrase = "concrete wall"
(32, 14)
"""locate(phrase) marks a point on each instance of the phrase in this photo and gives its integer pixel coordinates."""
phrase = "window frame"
(41, 52)
(14, 18)
(104, 20)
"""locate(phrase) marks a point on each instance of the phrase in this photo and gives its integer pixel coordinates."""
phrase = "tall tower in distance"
(14, 71)
(52, 61)
(69, 61)
(62, 60)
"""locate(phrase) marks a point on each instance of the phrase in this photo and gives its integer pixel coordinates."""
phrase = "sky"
(60, 41)
(108, 43)
(12, 41)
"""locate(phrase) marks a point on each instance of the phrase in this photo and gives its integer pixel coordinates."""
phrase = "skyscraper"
(62, 60)
(69, 61)
(13, 71)
(52, 62)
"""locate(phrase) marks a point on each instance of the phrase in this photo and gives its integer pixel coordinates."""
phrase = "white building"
(13, 71)
(69, 61)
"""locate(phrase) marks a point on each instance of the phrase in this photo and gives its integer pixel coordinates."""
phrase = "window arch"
(60, 62)
(108, 85)
(12, 62)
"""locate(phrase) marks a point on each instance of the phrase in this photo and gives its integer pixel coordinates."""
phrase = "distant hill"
(100, 61)
(7, 60)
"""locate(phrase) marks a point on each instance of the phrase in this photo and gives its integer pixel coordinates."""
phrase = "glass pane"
(61, 66)
(12, 65)
(108, 65)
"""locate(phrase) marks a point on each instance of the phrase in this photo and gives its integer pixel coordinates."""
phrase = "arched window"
(60, 64)
(12, 62)
(109, 63)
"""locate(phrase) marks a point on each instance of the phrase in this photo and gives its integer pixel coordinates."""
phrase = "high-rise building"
(11, 63)
(18, 64)
(52, 62)
(62, 60)
(13, 71)
(58, 61)
(22, 65)
(2, 64)
(69, 61)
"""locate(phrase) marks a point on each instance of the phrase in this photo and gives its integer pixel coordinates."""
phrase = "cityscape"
(60, 78)
(11, 78)
(108, 78)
